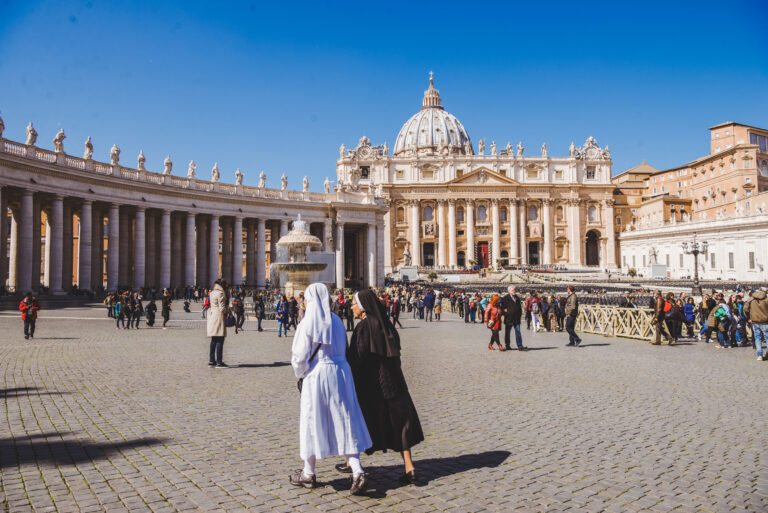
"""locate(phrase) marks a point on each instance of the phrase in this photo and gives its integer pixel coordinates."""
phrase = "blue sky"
(279, 86)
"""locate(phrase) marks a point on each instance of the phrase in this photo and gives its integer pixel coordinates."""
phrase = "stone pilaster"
(452, 233)
(56, 221)
(113, 248)
(261, 253)
(86, 239)
(140, 243)
(237, 252)
(190, 251)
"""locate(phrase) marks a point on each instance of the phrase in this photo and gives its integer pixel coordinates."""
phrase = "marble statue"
(58, 141)
(31, 135)
(467, 148)
(572, 149)
(283, 182)
(654, 255)
(384, 149)
(215, 173)
(305, 184)
(262, 180)
(520, 149)
(342, 151)
(88, 153)
(327, 185)
(508, 148)
(493, 147)
(114, 155)
(407, 256)
(379, 192)
(191, 169)
(142, 159)
(606, 152)
(481, 147)
(238, 177)
(2, 127)
(167, 165)
(544, 150)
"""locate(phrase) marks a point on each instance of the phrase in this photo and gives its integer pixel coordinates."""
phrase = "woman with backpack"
(535, 312)
(492, 319)
(119, 314)
(689, 310)
(672, 317)
(282, 311)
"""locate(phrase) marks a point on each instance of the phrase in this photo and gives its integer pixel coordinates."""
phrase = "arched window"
(592, 214)
(400, 215)
(460, 215)
(503, 214)
(482, 213)
(533, 213)
(427, 213)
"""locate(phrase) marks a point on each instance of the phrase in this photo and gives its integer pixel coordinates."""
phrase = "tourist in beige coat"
(216, 324)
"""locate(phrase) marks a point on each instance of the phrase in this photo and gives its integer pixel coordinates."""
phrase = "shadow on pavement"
(36, 449)
(385, 478)
(254, 365)
(540, 348)
(593, 345)
(22, 391)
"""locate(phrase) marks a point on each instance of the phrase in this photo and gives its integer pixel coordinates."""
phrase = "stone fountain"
(297, 242)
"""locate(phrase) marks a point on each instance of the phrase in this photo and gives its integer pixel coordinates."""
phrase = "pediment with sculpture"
(483, 176)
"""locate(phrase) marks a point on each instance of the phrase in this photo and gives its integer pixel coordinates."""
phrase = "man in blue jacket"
(429, 305)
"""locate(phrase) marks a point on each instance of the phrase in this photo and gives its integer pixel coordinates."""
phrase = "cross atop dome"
(431, 95)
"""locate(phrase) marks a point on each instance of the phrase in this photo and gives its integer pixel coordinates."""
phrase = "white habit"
(331, 422)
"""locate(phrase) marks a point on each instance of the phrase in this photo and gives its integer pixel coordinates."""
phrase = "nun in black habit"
(374, 355)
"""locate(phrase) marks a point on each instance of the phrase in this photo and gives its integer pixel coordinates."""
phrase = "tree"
(432, 276)
(632, 272)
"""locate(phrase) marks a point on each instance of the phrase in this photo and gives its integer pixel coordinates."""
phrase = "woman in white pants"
(331, 423)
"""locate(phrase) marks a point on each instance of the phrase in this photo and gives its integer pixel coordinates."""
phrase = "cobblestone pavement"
(97, 419)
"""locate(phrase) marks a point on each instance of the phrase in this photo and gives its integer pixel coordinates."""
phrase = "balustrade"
(612, 321)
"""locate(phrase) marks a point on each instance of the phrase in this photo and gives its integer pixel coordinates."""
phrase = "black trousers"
(29, 327)
(494, 338)
(350, 323)
(135, 320)
(239, 320)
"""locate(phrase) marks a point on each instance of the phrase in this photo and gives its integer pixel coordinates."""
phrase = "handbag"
(300, 381)
(229, 321)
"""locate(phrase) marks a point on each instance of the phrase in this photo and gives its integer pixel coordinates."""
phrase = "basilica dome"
(432, 130)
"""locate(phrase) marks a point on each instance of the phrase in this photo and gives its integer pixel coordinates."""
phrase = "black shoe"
(26, 337)
(211, 364)
(507, 348)
(408, 477)
(343, 468)
(577, 344)
(299, 479)
(523, 348)
(359, 484)
(570, 344)
(221, 365)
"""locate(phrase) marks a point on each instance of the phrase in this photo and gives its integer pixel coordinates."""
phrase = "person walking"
(331, 421)
(512, 310)
(137, 310)
(374, 356)
(349, 314)
(492, 320)
(238, 308)
(571, 312)
(29, 307)
(689, 314)
(672, 317)
(109, 302)
(659, 307)
(535, 312)
(395, 316)
(429, 305)
(119, 313)
(206, 306)
(215, 325)
(260, 311)
(151, 311)
(438, 308)
(282, 310)
(756, 312)
(166, 308)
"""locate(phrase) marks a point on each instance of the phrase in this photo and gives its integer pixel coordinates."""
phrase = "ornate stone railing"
(91, 166)
(612, 321)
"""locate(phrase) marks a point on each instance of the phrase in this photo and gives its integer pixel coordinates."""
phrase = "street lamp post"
(695, 248)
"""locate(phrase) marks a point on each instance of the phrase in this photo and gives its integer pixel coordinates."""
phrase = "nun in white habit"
(331, 422)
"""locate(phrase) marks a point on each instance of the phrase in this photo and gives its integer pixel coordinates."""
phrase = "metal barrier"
(612, 321)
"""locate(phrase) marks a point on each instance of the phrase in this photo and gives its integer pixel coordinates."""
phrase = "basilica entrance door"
(429, 254)
(533, 253)
(482, 254)
(593, 254)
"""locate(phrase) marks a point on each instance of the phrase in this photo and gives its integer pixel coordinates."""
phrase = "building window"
(764, 167)
(730, 261)
(591, 172)
(461, 259)
(633, 261)
(643, 260)
(592, 214)
(712, 260)
(751, 259)
(365, 172)
(624, 260)
(681, 260)
(460, 215)
(400, 215)
(533, 213)
(427, 173)
(503, 172)
(667, 260)
(459, 173)
(560, 214)
(428, 213)
(503, 214)
(533, 173)
(400, 174)
(482, 213)
(558, 174)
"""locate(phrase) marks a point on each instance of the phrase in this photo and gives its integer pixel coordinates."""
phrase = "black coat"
(512, 310)
(383, 395)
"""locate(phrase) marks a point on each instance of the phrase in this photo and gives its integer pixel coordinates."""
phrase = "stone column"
(261, 253)
(575, 241)
(442, 250)
(86, 239)
(250, 253)
(56, 221)
(602, 251)
(470, 231)
(283, 228)
(226, 251)
(113, 248)
(3, 236)
(415, 233)
(202, 253)
(47, 256)
(339, 255)
(213, 251)
(36, 244)
(514, 256)
(496, 233)
(610, 228)
(13, 269)
(140, 257)
(150, 267)
(165, 249)
(387, 239)
(371, 248)
(523, 240)
(177, 251)
(97, 248)
(67, 250)
(237, 252)
(125, 255)
(452, 233)
(190, 251)
(549, 239)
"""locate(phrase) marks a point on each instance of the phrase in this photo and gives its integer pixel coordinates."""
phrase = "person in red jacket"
(493, 321)
(29, 308)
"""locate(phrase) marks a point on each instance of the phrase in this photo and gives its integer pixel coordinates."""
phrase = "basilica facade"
(451, 206)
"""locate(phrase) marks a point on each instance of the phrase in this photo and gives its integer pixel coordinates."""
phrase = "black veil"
(384, 339)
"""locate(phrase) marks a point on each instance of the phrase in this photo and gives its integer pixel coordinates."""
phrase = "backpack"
(667, 306)
(535, 307)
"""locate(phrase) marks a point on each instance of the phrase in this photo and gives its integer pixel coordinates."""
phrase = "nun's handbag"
(300, 382)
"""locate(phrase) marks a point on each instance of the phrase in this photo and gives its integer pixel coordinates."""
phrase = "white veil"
(317, 318)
